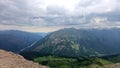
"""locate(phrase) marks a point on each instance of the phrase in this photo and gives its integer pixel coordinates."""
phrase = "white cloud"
(97, 6)
(56, 14)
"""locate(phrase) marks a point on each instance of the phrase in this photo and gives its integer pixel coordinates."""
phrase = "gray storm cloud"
(87, 13)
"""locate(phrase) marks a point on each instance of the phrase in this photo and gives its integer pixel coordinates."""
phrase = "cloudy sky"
(51, 15)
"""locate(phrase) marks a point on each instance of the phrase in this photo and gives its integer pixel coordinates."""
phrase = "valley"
(77, 48)
(59, 33)
(67, 48)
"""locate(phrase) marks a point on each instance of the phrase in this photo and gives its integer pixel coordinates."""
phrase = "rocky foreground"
(117, 65)
(11, 60)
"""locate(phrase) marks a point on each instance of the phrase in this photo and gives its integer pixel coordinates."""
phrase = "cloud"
(97, 6)
(43, 14)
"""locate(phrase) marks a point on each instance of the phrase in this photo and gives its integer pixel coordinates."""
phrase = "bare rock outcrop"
(116, 65)
(11, 60)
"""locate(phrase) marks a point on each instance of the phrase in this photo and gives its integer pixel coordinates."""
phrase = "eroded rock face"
(11, 60)
(117, 65)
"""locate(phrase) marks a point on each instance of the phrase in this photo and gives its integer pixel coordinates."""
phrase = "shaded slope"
(13, 40)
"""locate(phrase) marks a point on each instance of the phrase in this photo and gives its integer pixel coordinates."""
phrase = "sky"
(51, 15)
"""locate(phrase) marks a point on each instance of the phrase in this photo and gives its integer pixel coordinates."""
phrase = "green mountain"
(77, 42)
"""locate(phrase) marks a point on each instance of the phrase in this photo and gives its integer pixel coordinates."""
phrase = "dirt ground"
(11, 60)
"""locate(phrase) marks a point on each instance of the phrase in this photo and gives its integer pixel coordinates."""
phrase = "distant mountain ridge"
(15, 40)
(79, 42)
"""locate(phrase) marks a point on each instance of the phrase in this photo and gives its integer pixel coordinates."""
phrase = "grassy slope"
(61, 62)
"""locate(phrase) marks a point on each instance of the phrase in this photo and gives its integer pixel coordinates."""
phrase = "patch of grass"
(113, 58)
(61, 62)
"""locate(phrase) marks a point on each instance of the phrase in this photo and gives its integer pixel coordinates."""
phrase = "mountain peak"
(71, 42)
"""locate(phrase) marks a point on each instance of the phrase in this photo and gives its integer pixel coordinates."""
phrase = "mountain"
(11, 60)
(43, 34)
(72, 42)
(14, 40)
